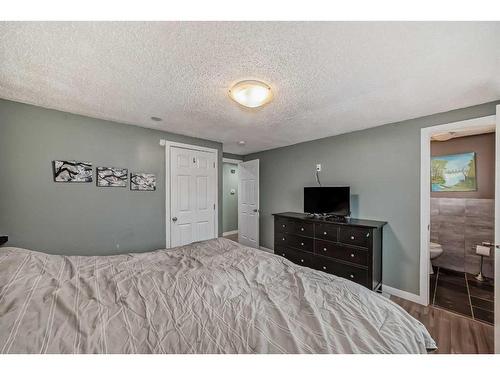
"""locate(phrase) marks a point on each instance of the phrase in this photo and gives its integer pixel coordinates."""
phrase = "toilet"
(435, 251)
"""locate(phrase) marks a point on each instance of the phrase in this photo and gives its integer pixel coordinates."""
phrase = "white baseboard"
(403, 294)
(230, 232)
(266, 249)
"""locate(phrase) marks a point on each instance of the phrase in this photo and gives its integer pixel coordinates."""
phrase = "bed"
(215, 296)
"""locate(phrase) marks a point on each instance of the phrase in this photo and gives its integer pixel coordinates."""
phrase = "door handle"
(174, 219)
(255, 210)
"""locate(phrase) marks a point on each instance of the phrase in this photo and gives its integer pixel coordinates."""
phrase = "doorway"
(248, 204)
(458, 218)
(230, 179)
(462, 222)
(246, 198)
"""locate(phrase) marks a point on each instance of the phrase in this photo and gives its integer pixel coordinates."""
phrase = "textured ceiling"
(328, 78)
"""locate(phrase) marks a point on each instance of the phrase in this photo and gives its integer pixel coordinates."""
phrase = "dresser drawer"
(295, 256)
(355, 236)
(292, 240)
(302, 228)
(358, 275)
(334, 250)
(284, 225)
(326, 231)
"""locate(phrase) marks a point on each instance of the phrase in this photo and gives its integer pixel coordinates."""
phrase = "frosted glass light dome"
(251, 94)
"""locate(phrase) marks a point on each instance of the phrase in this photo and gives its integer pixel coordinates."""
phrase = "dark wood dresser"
(351, 249)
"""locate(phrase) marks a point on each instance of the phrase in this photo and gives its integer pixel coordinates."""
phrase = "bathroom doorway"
(462, 222)
(230, 177)
(459, 232)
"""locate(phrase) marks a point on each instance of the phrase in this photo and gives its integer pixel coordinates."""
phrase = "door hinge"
(214, 164)
(214, 206)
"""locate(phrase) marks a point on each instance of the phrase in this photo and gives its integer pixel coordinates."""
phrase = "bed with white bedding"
(214, 296)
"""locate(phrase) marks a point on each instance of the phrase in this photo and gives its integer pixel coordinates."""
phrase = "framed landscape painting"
(454, 172)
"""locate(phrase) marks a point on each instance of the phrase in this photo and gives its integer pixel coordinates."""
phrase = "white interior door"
(192, 195)
(248, 203)
(497, 233)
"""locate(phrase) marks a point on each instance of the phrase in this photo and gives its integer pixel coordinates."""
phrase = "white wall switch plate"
(318, 167)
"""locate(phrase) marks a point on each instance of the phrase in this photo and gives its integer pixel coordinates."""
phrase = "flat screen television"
(333, 200)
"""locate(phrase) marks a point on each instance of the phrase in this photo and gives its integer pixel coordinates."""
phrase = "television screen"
(333, 200)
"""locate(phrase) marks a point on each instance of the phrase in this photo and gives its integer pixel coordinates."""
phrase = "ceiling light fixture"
(241, 143)
(251, 94)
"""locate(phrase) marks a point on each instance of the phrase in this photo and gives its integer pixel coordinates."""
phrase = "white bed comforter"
(209, 297)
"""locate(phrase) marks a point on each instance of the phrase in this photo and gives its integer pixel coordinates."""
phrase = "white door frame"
(425, 193)
(168, 216)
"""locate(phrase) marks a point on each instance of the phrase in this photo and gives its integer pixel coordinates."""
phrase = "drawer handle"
(302, 244)
(283, 239)
(352, 237)
(283, 225)
(352, 255)
(283, 254)
(324, 267)
(302, 260)
(302, 229)
(351, 276)
(324, 232)
(368, 234)
(324, 249)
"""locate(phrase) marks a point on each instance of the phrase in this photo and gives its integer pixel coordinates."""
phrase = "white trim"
(266, 249)
(168, 145)
(231, 161)
(425, 194)
(401, 294)
(230, 232)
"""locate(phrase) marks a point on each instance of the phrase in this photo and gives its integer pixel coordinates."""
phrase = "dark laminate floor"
(233, 237)
(461, 293)
(454, 333)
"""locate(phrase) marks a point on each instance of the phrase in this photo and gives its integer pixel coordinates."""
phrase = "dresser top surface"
(3, 239)
(350, 222)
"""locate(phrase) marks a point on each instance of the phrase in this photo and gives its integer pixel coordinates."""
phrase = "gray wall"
(232, 156)
(229, 202)
(69, 219)
(382, 166)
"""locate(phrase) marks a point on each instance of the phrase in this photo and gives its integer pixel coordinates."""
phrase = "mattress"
(214, 296)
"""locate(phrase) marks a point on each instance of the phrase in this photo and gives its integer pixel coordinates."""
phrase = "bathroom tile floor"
(461, 293)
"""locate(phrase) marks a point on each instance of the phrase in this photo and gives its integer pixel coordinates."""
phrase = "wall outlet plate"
(318, 167)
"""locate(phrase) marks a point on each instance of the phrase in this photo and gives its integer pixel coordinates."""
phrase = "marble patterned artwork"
(72, 171)
(112, 177)
(143, 181)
